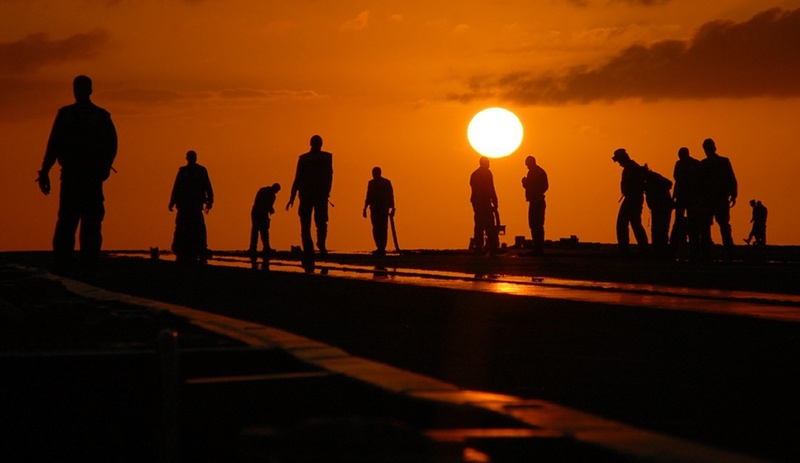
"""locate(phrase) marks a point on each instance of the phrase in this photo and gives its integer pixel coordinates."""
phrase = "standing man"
(484, 207)
(380, 201)
(719, 192)
(84, 142)
(535, 185)
(193, 195)
(312, 180)
(685, 200)
(659, 200)
(263, 208)
(630, 211)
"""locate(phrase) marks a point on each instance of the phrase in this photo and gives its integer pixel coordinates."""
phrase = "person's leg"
(66, 226)
(321, 222)
(91, 222)
(623, 235)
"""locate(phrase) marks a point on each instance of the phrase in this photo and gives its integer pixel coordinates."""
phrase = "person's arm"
(295, 186)
(51, 153)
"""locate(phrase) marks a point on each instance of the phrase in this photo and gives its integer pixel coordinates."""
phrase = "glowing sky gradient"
(394, 84)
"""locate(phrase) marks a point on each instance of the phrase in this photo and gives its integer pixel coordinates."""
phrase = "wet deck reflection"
(780, 307)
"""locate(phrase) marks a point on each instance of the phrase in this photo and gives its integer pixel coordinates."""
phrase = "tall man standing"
(630, 211)
(484, 207)
(535, 185)
(313, 180)
(84, 142)
(380, 201)
(719, 191)
(193, 195)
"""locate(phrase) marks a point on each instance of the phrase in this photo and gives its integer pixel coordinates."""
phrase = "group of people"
(483, 197)
(192, 194)
(704, 192)
(83, 141)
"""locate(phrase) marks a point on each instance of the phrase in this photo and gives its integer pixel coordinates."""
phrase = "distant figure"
(313, 180)
(659, 201)
(263, 208)
(630, 211)
(759, 221)
(718, 195)
(484, 207)
(192, 194)
(84, 142)
(380, 201)
(685, 197)
(535, 185)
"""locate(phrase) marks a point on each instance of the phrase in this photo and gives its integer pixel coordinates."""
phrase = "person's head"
(621, 156)
(484, 162)
(376, 172)
(316, 142)
(709, 146)
(276, 187)
(759, 203)
(82, 88)
(530, 162)
(683, 153)
(191, 157)
(752, 203)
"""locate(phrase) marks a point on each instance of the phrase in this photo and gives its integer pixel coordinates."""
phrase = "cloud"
(358, 23)
(756, 58)
(38, 50)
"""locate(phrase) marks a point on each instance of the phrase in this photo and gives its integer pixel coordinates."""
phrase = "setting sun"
(495, 132)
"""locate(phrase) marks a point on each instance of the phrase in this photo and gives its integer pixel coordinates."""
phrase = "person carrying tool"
(484, 207)
(380, 201)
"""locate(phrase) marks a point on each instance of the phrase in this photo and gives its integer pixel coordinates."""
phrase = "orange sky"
(245, 83)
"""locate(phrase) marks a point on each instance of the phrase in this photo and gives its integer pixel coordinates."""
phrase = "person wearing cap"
(719, 191)
(630, 210)
(84, 143)
(535, 184)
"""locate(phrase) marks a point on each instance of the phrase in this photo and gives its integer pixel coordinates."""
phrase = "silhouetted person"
(192, 195)
(263, 208)
(535, 185)
(630, 211)
(84, 142)
(380, 201)
(484, 206)
(685, 197)
(659, 201)
(313, 180)
(718, 196)
(759, 221)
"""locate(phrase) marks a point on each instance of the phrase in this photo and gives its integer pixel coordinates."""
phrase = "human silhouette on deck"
(535, 184)
(630, 211)
(718, 195)
(192, 195)
(312, 181)
(380, 201)
(484, 207)
(83, 141)
(659, 201)
(759, 230)
(263, 208)
(685, 198)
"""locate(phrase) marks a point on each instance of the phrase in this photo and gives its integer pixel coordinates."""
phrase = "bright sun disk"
(495, 132)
